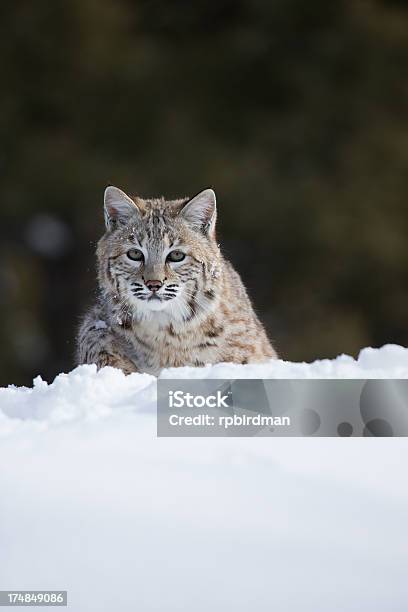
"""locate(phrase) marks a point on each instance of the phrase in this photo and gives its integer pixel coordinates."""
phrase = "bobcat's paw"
(116, 361)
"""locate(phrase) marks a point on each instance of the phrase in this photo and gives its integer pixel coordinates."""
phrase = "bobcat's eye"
(135, 255)
(176, 256)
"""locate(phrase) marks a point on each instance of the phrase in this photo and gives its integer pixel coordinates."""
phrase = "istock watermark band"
(283, 408)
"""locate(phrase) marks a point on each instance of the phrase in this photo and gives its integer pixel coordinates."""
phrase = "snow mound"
(91, 501)
(88, 394)
(390, 361)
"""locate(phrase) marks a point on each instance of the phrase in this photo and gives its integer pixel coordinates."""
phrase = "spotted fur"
(201, 313)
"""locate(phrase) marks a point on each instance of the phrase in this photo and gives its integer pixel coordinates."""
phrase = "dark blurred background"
(295, 112)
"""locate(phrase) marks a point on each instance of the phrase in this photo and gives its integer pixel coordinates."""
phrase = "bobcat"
(167, 295)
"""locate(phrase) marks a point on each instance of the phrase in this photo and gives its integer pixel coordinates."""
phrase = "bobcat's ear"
(201, 212)
(118, 207)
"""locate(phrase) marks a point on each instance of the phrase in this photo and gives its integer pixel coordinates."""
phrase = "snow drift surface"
(91, 501)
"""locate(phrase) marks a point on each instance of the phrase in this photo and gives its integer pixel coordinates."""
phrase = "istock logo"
(179, 399)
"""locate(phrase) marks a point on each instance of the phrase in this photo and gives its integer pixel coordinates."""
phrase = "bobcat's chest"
(153, 350)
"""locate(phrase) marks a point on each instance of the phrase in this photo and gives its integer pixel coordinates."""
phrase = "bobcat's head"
(158, 258)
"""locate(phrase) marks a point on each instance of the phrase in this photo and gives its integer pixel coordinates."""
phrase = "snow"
(91, 501)
(391, 361)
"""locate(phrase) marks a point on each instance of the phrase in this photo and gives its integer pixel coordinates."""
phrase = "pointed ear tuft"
(118, 207)
(201, 212)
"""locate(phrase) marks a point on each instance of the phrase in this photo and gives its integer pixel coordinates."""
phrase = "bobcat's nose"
(153, 285)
